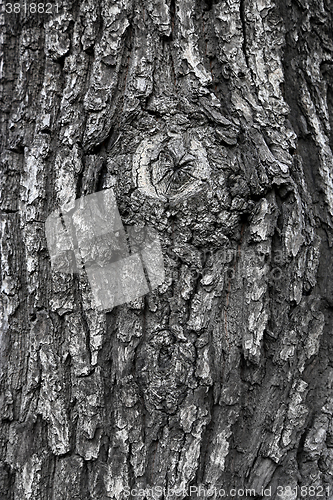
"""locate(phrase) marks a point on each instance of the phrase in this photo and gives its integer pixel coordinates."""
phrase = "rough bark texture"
(212, 121)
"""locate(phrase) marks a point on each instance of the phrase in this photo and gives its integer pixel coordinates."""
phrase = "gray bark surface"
(212, 121)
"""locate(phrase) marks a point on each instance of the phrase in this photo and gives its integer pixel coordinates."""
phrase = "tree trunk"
(212, 122)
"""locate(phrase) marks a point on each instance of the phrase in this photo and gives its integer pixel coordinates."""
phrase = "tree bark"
(212, 122)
